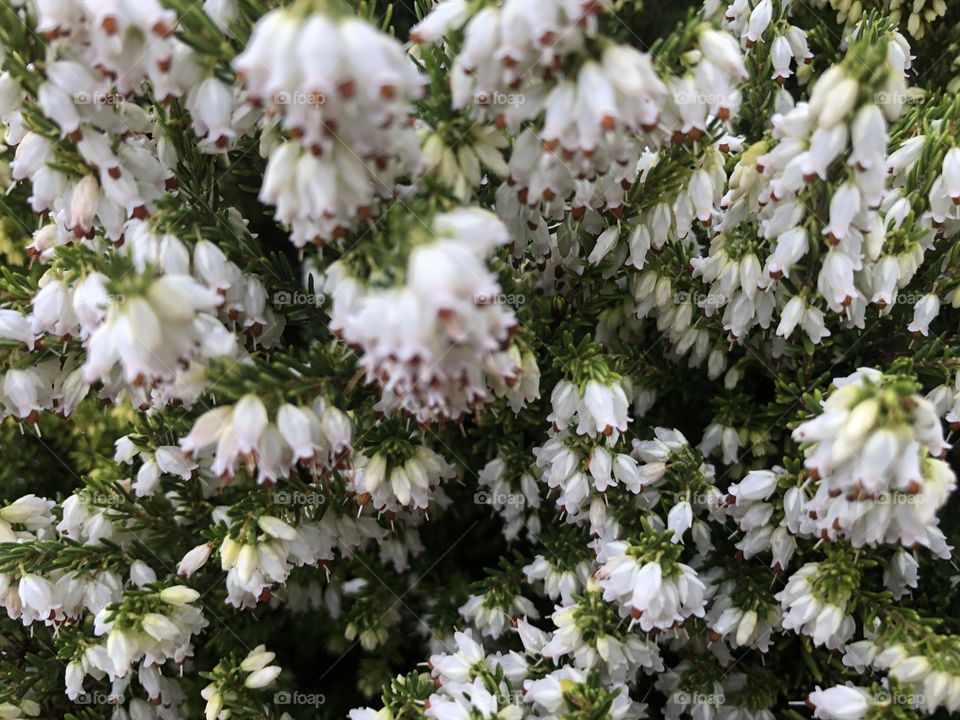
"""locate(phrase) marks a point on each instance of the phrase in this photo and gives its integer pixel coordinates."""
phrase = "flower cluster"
(317, 436)
(432, 343)
(778, 181)
(874, 454)
(648, 585)
(810, 607)
(391, 483)
(343, 106)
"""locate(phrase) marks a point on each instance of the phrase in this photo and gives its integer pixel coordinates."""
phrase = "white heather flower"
(951, 174)
(841, 702)
(791, 247)
(515, 375)
(244, 432)
(346, 102)
(644, 591)
(15, 326)
(277, 528)
(548, 692)
(603, 410)
(679, 520)
(924, 312)
(442, 18)
(619, 657)
(470, 700)
(149, 335)
(211, 109)
(84, 202)
(722, 50)
(179, 595)
(605, 243)
(756, 485)
(457, 667)
(564, 399)
(564, 469)
(406, 484)
(24, 393)
(558, 582)
(492, 618)
(194, 560)
(37, 597)
(808, 610)
(873, 452)
(742, 626)
(300, 428)
(262, 678)
(148, 479)
(52, 308)
(257, 659)
(28, 510)
(781, 55)
(425, 342)
(760, 18)
(869, 138)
